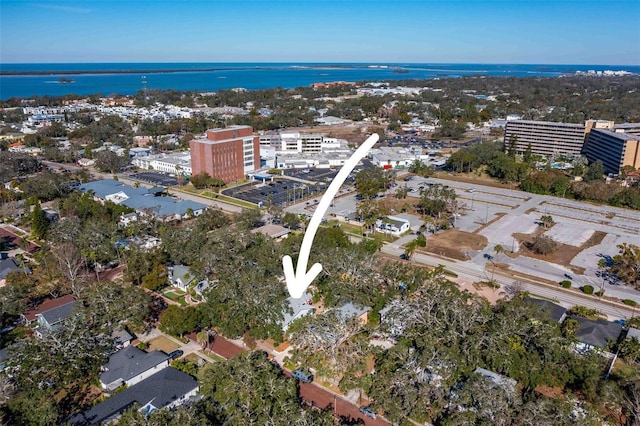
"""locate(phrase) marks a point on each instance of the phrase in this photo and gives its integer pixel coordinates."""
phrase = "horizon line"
(314, 62)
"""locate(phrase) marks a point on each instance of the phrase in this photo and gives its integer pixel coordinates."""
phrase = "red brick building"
(227, 154)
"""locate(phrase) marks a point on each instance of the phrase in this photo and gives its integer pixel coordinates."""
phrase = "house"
(131, 365)
(50, 314)
(121, 338)
(167, 388)
(51, 319)
(297, 308)
(498, 380)
(394, 317)
(349, 310)
(633, 333)
(8, 265)
(180, 276)
(596, 335)
(126, 219)
(393, 225)
(553, 310)
(276, 232)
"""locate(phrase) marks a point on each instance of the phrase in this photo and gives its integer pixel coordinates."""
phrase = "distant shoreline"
(89, 72)
(164, 70)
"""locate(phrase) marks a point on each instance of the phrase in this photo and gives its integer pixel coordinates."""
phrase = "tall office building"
(228, 154)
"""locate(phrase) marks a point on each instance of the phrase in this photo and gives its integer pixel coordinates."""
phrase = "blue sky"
(526, 31)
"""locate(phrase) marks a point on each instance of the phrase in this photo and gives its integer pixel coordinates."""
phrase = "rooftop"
(129, 362)
(160, 390)
(141, 199)
(47, 305)
(597, 333)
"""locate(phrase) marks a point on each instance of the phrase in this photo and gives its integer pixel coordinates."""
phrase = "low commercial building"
(145, 201)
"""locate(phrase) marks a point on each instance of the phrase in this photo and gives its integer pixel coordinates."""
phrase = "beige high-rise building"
(545, 137)
(614, 149)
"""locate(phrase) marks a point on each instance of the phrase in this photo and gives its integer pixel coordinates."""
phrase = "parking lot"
(156, 178)
(279, 192)
(314, 175)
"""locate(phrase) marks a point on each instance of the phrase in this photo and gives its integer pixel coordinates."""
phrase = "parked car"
(175, 354)
(368, 411)
(302, 376)
(404, 256)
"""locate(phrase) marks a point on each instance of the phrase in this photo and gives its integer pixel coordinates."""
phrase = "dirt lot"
(162, 344)
(453, 242)
(406, 205)
(562, 255)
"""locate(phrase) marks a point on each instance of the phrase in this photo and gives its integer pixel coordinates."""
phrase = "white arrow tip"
(297, 283)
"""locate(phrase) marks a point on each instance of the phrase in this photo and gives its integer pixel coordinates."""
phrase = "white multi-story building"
(174, 163)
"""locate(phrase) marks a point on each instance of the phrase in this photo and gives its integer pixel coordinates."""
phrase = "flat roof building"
(614, 149)
(228, 154)
(545, 137)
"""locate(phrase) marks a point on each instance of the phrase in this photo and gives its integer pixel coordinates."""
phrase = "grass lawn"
(174, 294)
(212, 356)
(162, 344)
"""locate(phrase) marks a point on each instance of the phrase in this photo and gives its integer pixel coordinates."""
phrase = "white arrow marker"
(298, 282)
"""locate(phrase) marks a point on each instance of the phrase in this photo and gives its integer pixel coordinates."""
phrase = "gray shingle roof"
(597, 333)
(349, 310)
(555, 311)
(129, 362)
(8, 265)
(59, 313)
(161, 389)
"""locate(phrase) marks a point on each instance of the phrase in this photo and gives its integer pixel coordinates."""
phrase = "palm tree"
(410, 249)
(498, 249)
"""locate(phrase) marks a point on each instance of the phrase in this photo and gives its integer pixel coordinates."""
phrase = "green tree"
(178, 321)
(594, 172)
(250, 389)
(626, 264)
(39, 222)
(370, 181)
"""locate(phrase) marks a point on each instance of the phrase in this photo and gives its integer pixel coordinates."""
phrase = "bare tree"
(71, 264)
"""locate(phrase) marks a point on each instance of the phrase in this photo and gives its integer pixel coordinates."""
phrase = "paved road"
(208, 201)
(478, 273)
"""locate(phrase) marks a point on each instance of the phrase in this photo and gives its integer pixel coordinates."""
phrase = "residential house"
(297, 308)
(167, 388)
(633, 333)
(51, 319)
(126, 219)
(393, 225)
(274, 231)
(8, 265)
(50, 314)
(131, 365)
(121, 338)
(596, 335)
(553, 310)
(180, 276)
(349, 310)
(498, 380)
